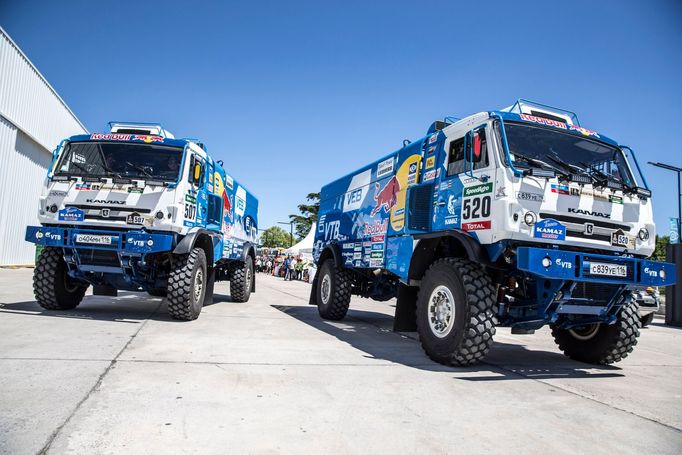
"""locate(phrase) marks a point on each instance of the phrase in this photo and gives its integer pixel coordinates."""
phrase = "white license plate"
(93, 239)
(600, 268)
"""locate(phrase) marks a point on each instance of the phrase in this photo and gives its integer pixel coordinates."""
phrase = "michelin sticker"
(550, 229)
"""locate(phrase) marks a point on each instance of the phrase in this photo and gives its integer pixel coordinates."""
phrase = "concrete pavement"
(118, 375)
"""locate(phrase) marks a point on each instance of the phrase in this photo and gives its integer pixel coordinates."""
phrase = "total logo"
(563, 264)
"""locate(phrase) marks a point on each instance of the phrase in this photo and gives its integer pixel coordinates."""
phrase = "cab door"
(464, 196)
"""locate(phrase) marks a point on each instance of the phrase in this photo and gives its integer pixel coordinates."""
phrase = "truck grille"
(600, 294)
(98, 257)
(419, 207)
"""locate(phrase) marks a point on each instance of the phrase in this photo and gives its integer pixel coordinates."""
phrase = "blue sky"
(294, 94)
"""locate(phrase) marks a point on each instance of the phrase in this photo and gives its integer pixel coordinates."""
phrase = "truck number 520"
(476, 208)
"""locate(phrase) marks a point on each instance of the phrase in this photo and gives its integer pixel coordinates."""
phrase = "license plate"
(93, 239)
(600, 268)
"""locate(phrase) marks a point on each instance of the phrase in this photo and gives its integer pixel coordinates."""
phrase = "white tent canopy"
(305, 246)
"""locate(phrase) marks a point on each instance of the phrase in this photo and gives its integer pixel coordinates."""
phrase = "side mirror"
(477, 146)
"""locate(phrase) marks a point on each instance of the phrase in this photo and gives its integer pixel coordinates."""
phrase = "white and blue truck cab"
(518, 218)
(136, 209)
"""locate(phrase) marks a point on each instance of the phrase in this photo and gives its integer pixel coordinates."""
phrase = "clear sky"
(293, 94)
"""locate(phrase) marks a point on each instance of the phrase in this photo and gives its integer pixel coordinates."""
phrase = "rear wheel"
(187, 285)
(53, 288)
(600, 343)
(455, 318)
(242, 278)
(333, 291)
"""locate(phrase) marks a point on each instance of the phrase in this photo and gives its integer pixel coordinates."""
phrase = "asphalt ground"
(117, 375)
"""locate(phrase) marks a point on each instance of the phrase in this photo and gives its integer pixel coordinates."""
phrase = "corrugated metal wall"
(33, 119)
(29, 102)
(22, 171)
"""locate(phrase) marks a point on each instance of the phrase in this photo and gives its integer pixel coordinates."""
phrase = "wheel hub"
(198, 284)
(441, 311)
(325, 288)
(585, 332)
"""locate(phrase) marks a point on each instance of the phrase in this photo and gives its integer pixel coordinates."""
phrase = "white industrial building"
(33, 119)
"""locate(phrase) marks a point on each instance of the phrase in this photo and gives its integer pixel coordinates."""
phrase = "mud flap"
(405, 319)
(208, 295)
(313, 292)
(104, 289)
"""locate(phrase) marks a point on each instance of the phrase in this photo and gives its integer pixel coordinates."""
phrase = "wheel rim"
(247, 282)
(585, 333)
(198, 284)
(325, 288)
(441, 311)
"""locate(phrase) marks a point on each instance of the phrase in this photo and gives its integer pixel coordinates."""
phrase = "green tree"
(661, 244)
(275, 237)
(304, 221)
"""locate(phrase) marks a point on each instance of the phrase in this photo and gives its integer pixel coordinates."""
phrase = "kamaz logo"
(103, 201)
(589, 212)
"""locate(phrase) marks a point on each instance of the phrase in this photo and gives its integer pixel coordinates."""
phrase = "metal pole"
(679, 191)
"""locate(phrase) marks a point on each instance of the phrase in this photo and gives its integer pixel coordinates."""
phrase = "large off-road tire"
(242, 278)
(187, 285)
(648, 319)
(455, 318)
(333, 291)
(600, 343)
(52, 286)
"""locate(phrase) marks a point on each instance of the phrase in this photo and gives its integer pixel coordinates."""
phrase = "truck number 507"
(476, 208)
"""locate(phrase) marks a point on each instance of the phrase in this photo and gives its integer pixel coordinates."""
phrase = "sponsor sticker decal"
(385, 167)
(478, 189)
(386, 197)
(476, 226)
(451, 220)
(615, 199)
(377, 255)
(134, 189)
(549, 229)
(429, 175)
(430, 161)
(71, 214)
(560, 189)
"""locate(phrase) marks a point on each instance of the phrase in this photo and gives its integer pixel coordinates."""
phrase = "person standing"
(285, 264)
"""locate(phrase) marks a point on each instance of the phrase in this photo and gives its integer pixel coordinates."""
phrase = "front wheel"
(241, 281)
(455, 318)
(600, 343)
(52, 286)
(187, 285)
(333, 291)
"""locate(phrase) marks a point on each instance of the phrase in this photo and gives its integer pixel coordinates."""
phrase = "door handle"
(441, 203)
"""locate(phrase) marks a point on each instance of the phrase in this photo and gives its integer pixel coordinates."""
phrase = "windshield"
(532, 146)
(122, 160)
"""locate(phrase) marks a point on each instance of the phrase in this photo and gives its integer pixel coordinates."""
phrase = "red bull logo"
(227, 204)
(147, 139)
(386, 198)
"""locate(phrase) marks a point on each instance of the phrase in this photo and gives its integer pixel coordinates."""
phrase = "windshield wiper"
(539, 163)
(139, 168)
(111, 171)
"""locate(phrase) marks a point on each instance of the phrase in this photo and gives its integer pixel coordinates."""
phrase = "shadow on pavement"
(372, 333)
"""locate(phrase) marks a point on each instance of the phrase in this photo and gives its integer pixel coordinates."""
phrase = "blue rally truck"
(516, 218)
(136, 209)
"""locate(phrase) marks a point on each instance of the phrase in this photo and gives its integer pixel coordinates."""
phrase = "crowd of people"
(288, 267)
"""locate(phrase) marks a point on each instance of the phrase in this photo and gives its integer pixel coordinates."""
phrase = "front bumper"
(132, 242)
(575, 266)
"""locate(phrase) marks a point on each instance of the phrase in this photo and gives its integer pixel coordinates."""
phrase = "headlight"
(53, 208)
(662, 274)
(39, 235)
(150, 242)
(643, 234)
(546, 262)
(529, 218)
(159, 215)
